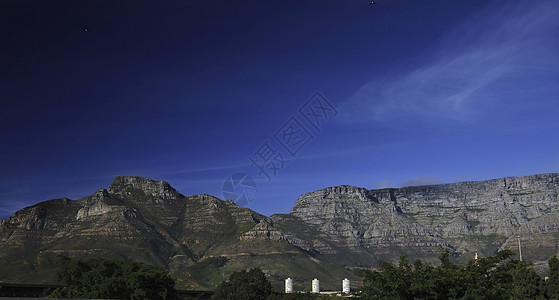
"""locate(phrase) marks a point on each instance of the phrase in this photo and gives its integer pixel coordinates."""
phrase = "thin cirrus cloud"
(10, 206)
(426, 180)
(419, 181)
(384, 184)
(503, 51)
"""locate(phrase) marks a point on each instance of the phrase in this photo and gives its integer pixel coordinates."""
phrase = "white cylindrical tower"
(315, 286)
(346, 288)
(289, 285)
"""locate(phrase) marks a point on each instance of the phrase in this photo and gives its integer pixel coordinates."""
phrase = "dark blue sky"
(425, 91)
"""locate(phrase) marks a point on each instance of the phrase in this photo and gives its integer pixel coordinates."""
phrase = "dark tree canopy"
(251, 285)
(552, 283)
(496, 277)
(112, 278)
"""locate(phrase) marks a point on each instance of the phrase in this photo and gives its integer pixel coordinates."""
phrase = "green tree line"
(496, 277)
(101, 278)
(254, 285)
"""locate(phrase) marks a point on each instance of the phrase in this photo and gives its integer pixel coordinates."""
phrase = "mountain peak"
(122, 185)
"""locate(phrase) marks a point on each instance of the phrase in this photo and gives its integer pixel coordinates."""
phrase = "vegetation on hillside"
(101, 278)
(251, 285)
(254, 285)
(495, 277)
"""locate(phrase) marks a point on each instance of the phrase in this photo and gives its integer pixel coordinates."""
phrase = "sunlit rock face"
(201, 239)
(466, 217)
(158, 190)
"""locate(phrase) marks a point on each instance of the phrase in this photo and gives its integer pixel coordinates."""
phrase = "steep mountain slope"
(201, 239)
(363, 227)
(329, 232)
(466, 217)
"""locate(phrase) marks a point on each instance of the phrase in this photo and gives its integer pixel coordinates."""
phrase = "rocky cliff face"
(466, 217)
(201, 239)
(128, 186)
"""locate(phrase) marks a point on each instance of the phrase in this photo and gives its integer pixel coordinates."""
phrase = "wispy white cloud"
(385, 184)
(501, 50)
(184, 171)
(7, 208)
(426, 180)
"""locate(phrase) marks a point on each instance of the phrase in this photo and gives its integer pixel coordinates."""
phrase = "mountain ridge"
(328, 233)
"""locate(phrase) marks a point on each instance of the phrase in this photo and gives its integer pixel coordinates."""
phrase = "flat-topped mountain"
(467, 217)
(329, 232)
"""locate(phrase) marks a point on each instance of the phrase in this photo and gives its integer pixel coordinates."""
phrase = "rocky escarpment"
(488, 207)
(200, 238)
(466, 217)
(369, 225)
(129, 186)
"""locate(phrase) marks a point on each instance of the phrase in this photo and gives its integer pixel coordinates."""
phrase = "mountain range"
(329, 234)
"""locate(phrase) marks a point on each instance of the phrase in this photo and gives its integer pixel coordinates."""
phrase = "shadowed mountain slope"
(328, 233)
(200, 238)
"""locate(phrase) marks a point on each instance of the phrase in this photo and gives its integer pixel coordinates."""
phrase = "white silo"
(289, 285)
(315, 286)
(346, 288)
